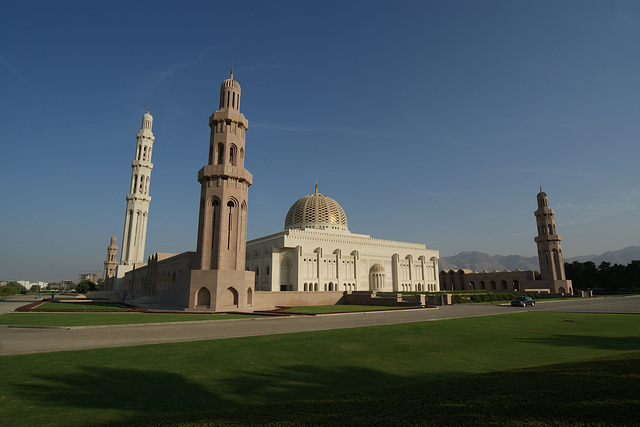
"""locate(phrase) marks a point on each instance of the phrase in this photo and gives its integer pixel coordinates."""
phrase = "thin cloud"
(174, 69)
(12, 70)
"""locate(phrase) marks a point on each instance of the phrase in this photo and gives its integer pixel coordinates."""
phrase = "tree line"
(604, 277)
(14, 288)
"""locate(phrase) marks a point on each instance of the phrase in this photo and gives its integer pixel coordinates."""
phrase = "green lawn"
(97, 318)
(81, 306)
(452, 365)
(321, 309)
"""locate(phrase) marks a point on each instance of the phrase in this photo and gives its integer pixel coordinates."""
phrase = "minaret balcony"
(223, 115)
(138, 197)
(142, 163)
(223, 171)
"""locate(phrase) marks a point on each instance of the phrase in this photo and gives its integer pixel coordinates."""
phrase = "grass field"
(94, 319)
(81, 306)
(448, 372)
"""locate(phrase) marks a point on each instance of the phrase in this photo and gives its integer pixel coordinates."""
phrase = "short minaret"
(111, 262)
(549, 250)
(135, 221)
(220, 281)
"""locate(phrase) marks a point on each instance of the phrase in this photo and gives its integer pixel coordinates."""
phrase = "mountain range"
(480, 261)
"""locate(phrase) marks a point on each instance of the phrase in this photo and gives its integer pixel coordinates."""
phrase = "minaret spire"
(135, 221)
(224, 186)
(550, 255)
(111, 262)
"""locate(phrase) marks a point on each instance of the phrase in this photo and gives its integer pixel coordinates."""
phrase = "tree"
(613, 278)
(54, 286)
(8, 290)
(86, 286)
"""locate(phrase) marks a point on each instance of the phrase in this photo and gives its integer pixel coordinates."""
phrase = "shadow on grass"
(594, 392)
(628, 343)
(121, 389)
(108, 395)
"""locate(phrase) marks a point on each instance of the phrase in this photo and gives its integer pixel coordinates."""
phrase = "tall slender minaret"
(549, 250)
(224, 181)
(135, 221)
(219, 281)
(111, 262)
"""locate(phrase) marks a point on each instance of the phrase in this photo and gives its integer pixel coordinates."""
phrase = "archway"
(230, 297)
(203, 298)
(249, 297)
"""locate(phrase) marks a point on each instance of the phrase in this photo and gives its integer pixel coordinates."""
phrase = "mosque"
(314, 260)
(316, 252)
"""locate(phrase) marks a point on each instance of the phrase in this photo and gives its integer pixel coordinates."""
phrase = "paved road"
(32, 340)
(10, 304)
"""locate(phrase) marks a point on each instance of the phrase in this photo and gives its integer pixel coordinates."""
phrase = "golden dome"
(316, 211)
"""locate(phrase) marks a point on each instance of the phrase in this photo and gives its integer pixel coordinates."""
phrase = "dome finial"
(316, 185)
(231, 70)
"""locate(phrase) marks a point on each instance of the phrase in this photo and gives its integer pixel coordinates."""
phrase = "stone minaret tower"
(135, 221)
(219, 280)
(224, 184)
(549, 251)
(111, 262)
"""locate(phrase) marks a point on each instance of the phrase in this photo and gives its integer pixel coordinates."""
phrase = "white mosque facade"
(316, 252)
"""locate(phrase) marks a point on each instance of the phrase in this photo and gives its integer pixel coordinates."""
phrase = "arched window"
(231, 205)
(232, 155)
(220, 153)
(215, 213)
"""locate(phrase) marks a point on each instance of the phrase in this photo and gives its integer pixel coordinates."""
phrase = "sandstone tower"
(549, 251)
(220, 281)
(135, 221)
(111, 262)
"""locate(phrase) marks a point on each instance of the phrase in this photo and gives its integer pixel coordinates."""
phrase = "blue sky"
(428, 121)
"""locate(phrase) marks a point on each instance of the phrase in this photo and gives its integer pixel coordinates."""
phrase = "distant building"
(84, 277)
(494, 281)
